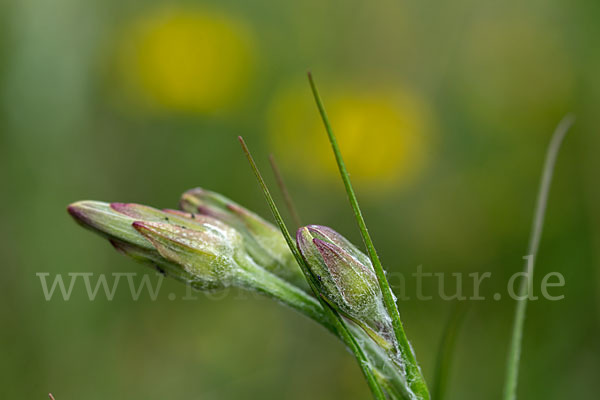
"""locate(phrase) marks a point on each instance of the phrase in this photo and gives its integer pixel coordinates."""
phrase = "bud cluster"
(215, 243)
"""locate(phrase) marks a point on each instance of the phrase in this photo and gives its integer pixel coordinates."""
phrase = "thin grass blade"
(414, 376)
(445, 353)
(514, 355)
(284, 191)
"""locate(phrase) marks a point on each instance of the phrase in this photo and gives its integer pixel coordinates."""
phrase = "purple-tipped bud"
(103, 219)
(345, 278)
(199, 250)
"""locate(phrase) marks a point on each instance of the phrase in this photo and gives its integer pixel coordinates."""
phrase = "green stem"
(257, 278)
(334, 317)
(415, 378)
(514, 355)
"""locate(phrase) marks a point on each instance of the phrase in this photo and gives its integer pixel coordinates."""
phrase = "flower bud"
(208, 254)
(346, 279)
(263, 241)
(103, 219)
(201, 251)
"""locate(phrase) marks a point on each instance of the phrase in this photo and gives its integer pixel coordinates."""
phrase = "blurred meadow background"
(443, 109)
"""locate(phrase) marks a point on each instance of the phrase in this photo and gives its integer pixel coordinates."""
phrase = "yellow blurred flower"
(384, 135)
(187, 59)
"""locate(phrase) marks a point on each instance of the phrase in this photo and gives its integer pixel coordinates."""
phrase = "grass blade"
(446, 351)
(338, 323)
(514, 355)
(286, 194)
(414, 376)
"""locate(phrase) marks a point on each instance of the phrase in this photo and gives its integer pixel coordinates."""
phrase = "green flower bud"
(207, 254)
(103, 219)
(201, 251)
(346, 279)
(263, 241)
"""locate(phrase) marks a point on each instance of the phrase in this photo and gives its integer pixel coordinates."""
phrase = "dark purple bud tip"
(74, 211)
(78, 212)
(139, 226)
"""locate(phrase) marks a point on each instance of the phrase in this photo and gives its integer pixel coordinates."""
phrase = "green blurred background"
(444, 110)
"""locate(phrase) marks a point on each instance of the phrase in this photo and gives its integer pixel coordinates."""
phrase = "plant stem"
(335, 319)
(514, 355)
(415, 378)
(257, 278)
